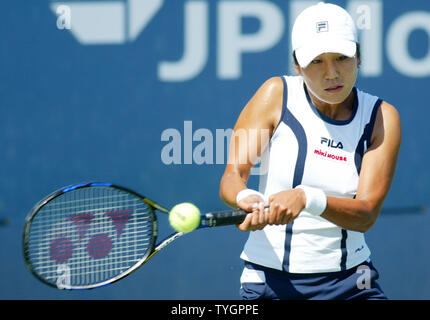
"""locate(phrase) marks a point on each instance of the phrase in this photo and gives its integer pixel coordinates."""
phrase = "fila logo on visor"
(322, 26)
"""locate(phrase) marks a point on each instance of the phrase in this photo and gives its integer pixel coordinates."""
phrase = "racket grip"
(223, 218)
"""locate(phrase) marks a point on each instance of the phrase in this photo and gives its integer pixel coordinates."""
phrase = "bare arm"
(251, 135)
(376, 176)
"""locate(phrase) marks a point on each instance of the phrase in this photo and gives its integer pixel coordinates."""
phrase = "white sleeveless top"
(310, 149)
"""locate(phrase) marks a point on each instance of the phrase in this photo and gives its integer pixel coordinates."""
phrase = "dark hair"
(357, 53)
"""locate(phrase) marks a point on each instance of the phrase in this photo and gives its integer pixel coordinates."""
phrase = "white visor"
(323, 28)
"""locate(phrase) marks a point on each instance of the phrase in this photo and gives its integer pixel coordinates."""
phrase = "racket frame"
(149, 252)
(208, 220)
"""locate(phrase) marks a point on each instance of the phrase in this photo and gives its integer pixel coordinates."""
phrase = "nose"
(331, 70)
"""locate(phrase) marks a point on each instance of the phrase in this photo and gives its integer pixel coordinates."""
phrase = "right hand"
(258, 215)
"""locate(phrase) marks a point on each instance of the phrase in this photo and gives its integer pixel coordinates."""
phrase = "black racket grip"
(223, 218)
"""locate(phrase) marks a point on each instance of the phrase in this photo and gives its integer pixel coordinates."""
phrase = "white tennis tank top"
(311, 149)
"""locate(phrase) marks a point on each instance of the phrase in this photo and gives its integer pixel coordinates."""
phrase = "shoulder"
(266, 104)
(272, 86)
(388, 124)
(269, 97)
(278, 84)
(388, 115)
(389, 109)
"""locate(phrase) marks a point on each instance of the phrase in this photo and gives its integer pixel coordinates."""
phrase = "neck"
(338, 111)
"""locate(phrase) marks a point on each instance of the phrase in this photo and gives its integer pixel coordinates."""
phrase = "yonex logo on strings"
(122, 21)
(97, 246)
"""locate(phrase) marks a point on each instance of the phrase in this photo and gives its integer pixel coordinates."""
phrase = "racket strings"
(89, 235)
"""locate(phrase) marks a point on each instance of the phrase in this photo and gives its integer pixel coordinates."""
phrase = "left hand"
(285, 206)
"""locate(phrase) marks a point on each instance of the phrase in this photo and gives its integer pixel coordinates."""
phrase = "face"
(330, 77)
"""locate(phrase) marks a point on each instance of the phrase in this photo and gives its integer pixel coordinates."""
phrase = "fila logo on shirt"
(331, 143)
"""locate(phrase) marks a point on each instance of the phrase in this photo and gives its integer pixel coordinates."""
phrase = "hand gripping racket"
(88, 235)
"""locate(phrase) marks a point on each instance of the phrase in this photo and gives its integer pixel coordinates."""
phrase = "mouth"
(334, 89)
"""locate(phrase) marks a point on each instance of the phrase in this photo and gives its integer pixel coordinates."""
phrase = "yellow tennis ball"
(184, 217)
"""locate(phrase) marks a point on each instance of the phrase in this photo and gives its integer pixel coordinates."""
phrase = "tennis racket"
(92, 234)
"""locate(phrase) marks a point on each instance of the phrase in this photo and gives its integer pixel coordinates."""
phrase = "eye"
(316, 61)
(342, 58)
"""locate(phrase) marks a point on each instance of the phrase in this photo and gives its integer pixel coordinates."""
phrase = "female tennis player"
(327, 167)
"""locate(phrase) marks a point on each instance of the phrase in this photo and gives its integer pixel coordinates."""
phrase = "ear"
(358, 62)
(298, 69)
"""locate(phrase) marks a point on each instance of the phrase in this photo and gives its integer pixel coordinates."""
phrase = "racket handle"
(222, 218)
